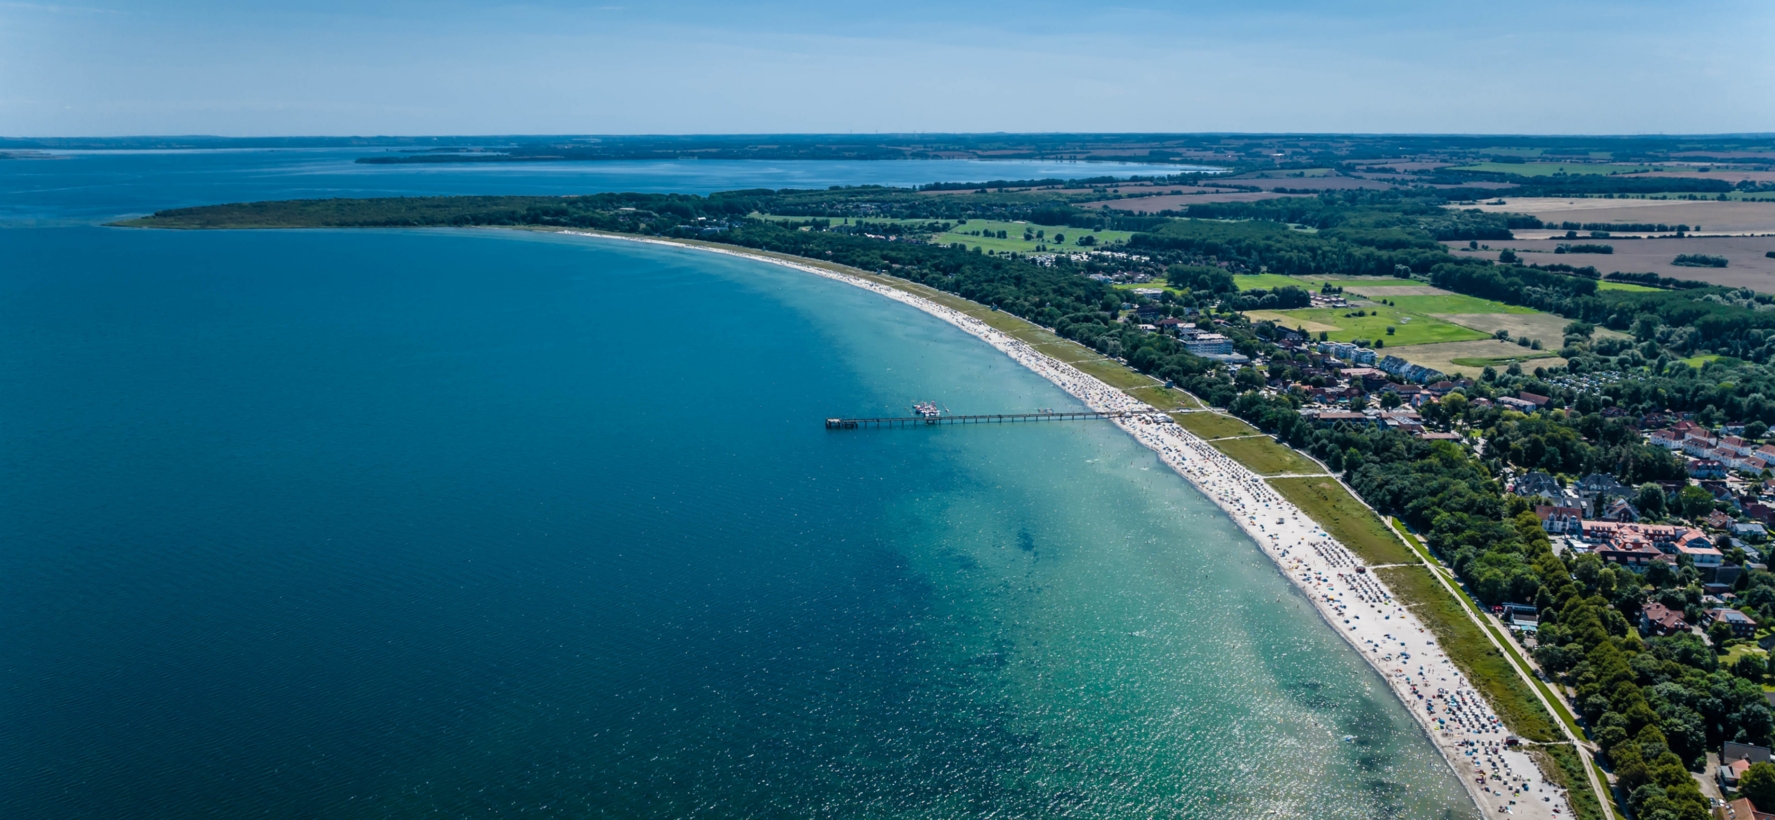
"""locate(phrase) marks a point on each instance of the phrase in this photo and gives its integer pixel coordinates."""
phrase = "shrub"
(1699, 260)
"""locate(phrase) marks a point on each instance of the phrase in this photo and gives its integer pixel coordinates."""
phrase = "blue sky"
(126, 67)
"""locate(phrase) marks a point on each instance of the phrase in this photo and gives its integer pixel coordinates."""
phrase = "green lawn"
(1627, 286)
(1165, 398)
(841, 220)
(1262, 455)
(1143, 285)
(1409, 328)
(1356, 526)
(1527, 355)
(1214, 425)
(1468, 647)
(1013, 241)
(1740, 650)
(1544, 169)
(1702, 360)
(1564, 711)
(1114, 373)
(1350, 281)
(1453, 303)
(1567, 769)
(1266, 280)
(1070, 352)
(1348, 520)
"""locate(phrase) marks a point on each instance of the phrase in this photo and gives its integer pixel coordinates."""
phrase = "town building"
(1740, 809)
(1736, 757)
(1637, 545)
(1657, 619)
(1208, 344)
(1743, 625)
(1333, 417)
(1598, 490)
(1619, 511)
(1706, 468)
(1668, 439)
(1560, 520)
(1538, 484)
(1370, 378)
(1406, 370)
(1517, 404)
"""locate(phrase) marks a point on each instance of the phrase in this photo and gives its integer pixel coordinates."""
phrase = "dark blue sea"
(390, 524)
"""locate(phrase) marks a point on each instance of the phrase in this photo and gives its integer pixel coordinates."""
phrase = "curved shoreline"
(1451, 712)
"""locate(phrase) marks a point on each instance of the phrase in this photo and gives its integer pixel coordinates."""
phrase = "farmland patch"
(1471, 357)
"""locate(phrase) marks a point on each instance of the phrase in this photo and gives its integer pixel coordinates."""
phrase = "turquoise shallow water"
(414, 524)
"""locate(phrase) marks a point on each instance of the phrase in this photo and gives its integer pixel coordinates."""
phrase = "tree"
(1645, 326)
(1755, 430)
(1389, 400)
(1352, 460)
(1758, 784)
(1751, 668)
(1650, 499)
(1694, 502)
(1719, 632)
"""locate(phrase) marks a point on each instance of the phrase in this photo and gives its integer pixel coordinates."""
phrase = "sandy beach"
(1501, 780)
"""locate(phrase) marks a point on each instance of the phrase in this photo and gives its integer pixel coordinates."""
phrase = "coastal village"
(1708, 551)
(1707, 530)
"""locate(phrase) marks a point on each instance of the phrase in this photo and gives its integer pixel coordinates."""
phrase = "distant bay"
(85, 187)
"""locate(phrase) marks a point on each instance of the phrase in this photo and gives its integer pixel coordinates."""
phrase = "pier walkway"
(996, 418)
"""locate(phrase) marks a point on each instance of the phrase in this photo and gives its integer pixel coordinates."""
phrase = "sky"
(405, 67)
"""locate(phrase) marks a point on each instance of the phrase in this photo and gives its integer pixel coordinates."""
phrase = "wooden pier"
(997, 418)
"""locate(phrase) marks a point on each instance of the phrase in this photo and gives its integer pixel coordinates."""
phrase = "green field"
(1262, 455)
(1546, 169)
(838, 221)
(1356, 526)
(1453, 303)
(1468, 647)
(1627, 286)
(1348, 281)
(1013, 241)
(1266, 280)
(1165, 398)
(1115, 374)
(966, 233)
(1214, 425)
(1527, 356)
(1292, 173)
(1348, 520)
(1159, 285)
(1567, 769)
(1409, 328)
(1564, 714)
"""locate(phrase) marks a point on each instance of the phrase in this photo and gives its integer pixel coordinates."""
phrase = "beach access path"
(1501, 779)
